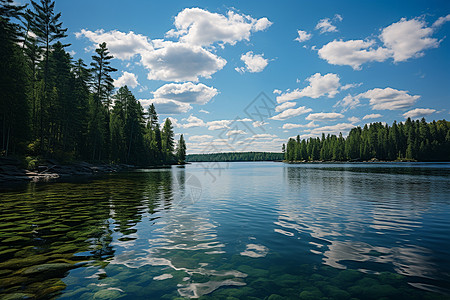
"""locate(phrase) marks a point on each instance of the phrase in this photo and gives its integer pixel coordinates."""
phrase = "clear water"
(232, 231)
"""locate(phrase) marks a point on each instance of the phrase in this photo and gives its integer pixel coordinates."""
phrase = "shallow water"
(232, 231)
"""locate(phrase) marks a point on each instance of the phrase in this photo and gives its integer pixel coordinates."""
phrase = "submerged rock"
(107, 294)
(17, 296)
(18, 263)
(56, 267)
(12, 281)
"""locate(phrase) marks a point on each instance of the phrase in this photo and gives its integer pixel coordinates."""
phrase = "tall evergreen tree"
(45, 24)
(181, 150)
(152, 117)
(13, 99)
(167, 137)
(101, 67)
(80, 98)
(100, 102)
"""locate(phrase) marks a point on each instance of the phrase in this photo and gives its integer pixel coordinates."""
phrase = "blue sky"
(322, 66)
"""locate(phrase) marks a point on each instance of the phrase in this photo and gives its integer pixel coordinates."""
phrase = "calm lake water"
(232, 231)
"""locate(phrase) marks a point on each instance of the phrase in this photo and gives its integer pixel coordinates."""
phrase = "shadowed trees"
(54, 107)
(412, 140)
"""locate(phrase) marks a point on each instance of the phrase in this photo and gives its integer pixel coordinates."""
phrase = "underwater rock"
(263, 285)
(253, 272)
(287, 280)
(380, 291)
(107, 294)
(17, 238)
(56, 267)
(391, 278)
(18, 263)
(347, 277)
(74, 293)
(336, 293)
(4, 272)
(275, 297)
(239, 293)
(17, 296)
(310, 293)
(11, 281)
(52, 290)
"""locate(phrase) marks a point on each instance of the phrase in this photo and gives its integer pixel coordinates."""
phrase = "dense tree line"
(53, 106)
(411, 140)
(235, 156)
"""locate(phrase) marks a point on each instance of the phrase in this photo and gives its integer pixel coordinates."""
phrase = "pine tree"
(167, 137)
(80, 97)
(13, 98)
(152, 117)
(103, 82)
(102, 88)
(46, 26)
(181, 150)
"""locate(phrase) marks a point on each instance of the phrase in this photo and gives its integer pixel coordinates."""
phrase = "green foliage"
(31, 163)
(181, 150)
(168, 142)
(53, 107)
(235, 156)
(13, 79)
(412, 140)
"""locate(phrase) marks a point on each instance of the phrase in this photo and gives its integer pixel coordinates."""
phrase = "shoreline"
(12, 171)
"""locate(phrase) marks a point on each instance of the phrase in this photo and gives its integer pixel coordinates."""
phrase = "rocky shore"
(50, 170)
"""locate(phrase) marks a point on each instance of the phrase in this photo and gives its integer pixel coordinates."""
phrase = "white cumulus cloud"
(319, 86)
(372, 116)
(303, 36)
(348, 102)
(389, 98)
(353, 53)
(400, 41)
(200, 138)
(292, 126)
(257, 124)
(408, 38)
(353, 119)
(121, 45)
(187, 92)
(197, 26)
(324, 116)
(333, 129)
(291, 112)
(193, 121)
(235, 132)
(441, 21)
(128, 79)
(219, 124)
(418, 113)
(181, 62)
(254, 63)
(284, 106)
(325, 25)
(166, 106)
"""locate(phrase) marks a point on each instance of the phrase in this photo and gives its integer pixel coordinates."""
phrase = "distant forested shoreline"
(235, 156)
(55, 106)
(410, 141)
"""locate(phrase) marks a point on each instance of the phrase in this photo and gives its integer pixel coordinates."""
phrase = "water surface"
(232, 231)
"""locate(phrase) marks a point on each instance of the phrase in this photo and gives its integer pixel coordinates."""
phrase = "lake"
(250, 230)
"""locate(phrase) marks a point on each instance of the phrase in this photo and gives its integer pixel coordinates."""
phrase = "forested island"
(235, 156)
(55, 106)
(411, 141)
